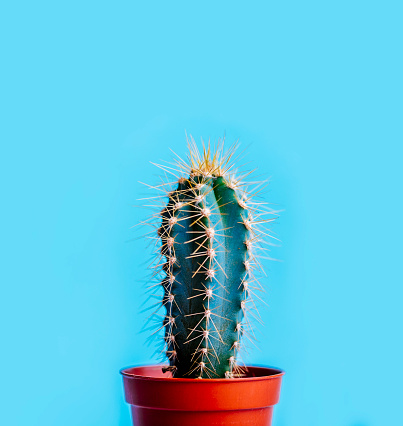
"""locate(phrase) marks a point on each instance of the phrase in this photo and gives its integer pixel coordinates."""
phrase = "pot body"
(157, 399)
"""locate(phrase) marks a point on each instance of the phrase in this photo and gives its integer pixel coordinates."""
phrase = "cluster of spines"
(187, 206)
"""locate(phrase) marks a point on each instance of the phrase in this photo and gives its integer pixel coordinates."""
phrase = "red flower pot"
(158, 399)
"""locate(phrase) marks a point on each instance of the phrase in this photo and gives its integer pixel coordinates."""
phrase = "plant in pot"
(208, 234)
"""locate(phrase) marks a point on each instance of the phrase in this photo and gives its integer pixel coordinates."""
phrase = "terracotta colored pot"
(158, 399)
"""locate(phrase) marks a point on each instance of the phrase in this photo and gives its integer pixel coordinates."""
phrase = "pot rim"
(124, 373)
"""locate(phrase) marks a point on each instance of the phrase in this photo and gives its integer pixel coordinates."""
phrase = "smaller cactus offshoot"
(210, 235)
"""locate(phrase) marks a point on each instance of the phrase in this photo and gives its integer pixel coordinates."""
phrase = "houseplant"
(208, 233)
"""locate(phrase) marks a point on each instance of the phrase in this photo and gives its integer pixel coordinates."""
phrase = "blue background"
(91, 91)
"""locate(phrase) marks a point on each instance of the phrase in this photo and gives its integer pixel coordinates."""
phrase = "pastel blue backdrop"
(91, 91)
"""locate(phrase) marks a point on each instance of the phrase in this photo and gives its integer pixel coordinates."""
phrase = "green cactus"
(209, 236)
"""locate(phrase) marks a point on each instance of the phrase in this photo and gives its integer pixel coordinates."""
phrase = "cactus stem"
(210, 227)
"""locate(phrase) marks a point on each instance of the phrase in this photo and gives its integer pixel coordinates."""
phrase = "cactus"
(209, 232)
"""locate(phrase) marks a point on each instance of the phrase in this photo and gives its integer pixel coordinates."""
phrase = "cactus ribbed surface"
(208, 234)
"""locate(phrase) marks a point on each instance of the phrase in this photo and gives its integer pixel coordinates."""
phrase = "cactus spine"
(208, 239)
